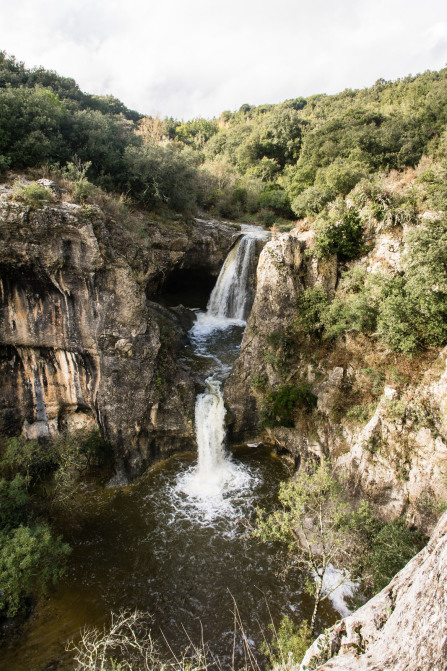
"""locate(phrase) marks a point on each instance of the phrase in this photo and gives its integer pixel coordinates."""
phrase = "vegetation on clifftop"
(270, 162)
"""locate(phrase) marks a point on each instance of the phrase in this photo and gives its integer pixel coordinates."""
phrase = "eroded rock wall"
(81, 343)
(397, 459)
(283, 273)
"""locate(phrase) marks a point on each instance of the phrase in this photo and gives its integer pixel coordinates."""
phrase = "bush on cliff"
(340, 232)
(31, 558)
(35, 195)
(391, 548)
(280, 404)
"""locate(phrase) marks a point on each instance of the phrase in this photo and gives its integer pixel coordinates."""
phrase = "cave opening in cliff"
(190, 288)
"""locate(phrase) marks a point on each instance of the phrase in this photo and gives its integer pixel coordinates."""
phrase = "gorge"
(167, 374)
(72, 352)
(175, 542)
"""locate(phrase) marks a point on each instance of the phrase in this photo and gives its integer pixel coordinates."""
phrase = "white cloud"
(199, 57)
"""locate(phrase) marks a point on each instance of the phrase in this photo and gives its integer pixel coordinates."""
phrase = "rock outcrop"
(283, 273)
(404, 627)
(398, 458)
(82, 340)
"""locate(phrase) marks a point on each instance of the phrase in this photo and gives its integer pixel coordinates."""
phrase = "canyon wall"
(397, 457)
(83, 340)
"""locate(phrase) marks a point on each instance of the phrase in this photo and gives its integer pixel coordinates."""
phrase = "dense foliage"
(281, 403)
(319, 528)
(406, 310)
(269, 161)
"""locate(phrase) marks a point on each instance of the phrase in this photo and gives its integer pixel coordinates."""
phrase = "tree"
(309, 523)
(30, 559)
(341, 233)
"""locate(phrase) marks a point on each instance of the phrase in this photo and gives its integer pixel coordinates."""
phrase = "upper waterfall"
(231, 295)
(231, 299)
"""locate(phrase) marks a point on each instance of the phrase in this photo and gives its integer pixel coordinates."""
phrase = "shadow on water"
(139, 548)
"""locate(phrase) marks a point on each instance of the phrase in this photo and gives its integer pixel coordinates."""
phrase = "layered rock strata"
(82, 341)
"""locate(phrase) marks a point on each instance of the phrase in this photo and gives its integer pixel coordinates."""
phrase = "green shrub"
(278, 340)
(341, 176)
(29, 458)
(268, 217)
(393, 547)
(81, 449)
(361, 413)
(280, 404)
(275, 198)
(76, 170)
(259, 381)
(426, 280)
(5, 163)
(353, 312)
(289, 643)
(14, 502)
(339, 233)
(312, 200)
(434, 182)
(35, 195)
(311, 307)
(31, 558)
(395, 321)
(381, 549)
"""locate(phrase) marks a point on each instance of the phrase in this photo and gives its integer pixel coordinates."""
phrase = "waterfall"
(210, 432)
(231, 296)
(208, 484)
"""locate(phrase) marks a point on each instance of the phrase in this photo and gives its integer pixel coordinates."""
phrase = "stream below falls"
(175, 542)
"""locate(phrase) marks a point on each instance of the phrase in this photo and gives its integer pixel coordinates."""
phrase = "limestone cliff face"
(403, 627)
(397, 459)
(81, 341)
(283, 273)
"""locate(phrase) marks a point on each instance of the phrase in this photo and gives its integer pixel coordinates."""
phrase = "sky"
(189, 58)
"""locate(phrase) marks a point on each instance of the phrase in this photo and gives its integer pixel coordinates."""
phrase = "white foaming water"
(337, 584)
(230, 300)
(230, 297)
(215, 485)
(218, 488)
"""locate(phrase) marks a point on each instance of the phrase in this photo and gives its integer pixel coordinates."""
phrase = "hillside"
(271, 162)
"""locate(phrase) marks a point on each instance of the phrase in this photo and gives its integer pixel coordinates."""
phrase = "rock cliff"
(393, 451)
(83, 340)
(402, 627)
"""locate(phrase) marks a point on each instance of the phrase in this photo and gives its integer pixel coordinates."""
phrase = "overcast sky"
(187, 58)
